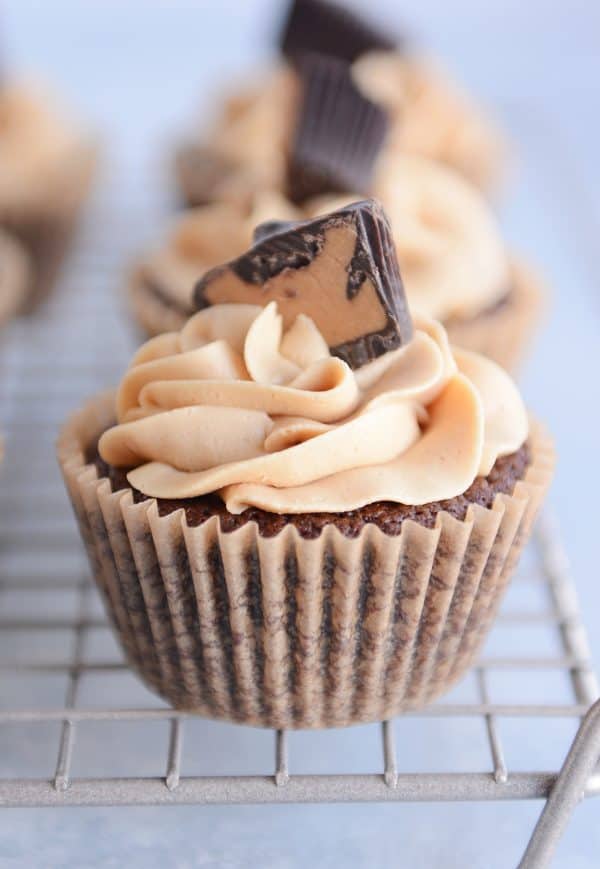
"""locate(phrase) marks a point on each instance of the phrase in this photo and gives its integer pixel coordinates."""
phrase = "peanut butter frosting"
(450, 249)
(430, 115)
(38, 146)
(254, 129)
(266, 417)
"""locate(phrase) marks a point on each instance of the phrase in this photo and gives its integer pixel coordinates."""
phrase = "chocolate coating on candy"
(339, 133)
(327, 28)
(271, 227)
(340, 269)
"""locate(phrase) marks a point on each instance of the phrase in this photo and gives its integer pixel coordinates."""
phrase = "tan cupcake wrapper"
(505, 334)
(47, 232)
(289, 632)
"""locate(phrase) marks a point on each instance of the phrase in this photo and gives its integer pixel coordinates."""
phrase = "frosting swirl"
(266, 417)
(430, 115)
(254, 130)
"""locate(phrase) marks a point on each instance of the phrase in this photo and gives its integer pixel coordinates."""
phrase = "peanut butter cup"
(340, 269)
(339, 133)
(329, 28)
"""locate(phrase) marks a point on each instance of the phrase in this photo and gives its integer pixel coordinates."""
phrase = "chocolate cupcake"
(247, 148)
(15, 276)
(46, 167)
(303, 508)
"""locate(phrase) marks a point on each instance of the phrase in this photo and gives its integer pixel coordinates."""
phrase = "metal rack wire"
(77, 343)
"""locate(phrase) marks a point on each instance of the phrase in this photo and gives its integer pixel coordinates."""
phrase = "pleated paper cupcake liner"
(504, 334)
(286, 631)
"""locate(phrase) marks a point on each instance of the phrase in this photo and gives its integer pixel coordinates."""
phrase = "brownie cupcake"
(159, 285)
(303, 508)
(46, 167)
(15, 276)
(248, 145)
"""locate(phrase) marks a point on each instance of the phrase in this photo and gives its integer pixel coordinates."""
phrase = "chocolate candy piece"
(271, 227)
(339, 133)
(340, 269)
(326, 28)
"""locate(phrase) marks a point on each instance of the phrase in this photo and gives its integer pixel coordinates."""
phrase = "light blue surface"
(138, 71)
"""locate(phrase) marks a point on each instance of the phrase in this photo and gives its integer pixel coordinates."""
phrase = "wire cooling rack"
(59, 666)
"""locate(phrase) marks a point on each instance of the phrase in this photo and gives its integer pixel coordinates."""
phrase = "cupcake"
(15, 275)
(46, 166)
(303, 508)
(248, 145)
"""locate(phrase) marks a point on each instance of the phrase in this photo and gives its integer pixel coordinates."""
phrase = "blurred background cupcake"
(351, 113)
(454, 263)
(15, 276)
(428, 114)
(46, 168)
